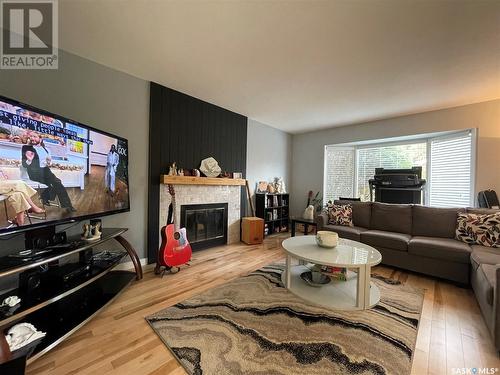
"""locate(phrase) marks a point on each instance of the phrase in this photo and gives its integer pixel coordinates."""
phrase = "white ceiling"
(299, 65)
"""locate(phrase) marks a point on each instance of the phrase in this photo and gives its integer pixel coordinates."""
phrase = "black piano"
(397, 185)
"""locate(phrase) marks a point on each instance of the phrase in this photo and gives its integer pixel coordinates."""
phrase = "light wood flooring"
(452, 332)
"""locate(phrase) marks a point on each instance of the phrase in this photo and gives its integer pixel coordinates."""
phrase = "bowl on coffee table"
(327, 239)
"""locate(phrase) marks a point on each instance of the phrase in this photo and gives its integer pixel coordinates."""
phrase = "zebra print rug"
(253, 325)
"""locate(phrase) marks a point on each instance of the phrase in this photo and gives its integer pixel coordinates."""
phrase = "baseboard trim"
(129, 265)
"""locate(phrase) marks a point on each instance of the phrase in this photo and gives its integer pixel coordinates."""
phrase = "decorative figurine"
(86, 231)
(91, 232)
(21, 335)
(262, 187)
(172, 170)
(270, 188)
(309, 213)
(9, 305)
(11, 301)
(210, 168)
(96, 230)
(279, 185)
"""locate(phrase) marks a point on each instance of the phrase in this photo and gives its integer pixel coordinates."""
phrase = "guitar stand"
(158, 269)
(169, 269)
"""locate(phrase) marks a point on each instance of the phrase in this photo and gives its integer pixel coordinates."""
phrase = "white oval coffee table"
(357, 293)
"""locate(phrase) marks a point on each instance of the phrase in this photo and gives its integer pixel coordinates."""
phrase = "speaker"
(59, 238)
(29, 281)
(41, 238)
(46, 241)
(41, 242)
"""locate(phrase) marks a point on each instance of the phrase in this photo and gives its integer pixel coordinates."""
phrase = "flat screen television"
(54, 170)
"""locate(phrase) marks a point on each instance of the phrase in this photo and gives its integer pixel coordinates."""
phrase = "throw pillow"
(340, 214)
(481, 229)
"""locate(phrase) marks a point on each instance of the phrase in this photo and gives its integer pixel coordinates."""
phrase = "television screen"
(55, 170)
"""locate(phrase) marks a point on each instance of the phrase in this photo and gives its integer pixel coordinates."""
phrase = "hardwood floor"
(452, 332)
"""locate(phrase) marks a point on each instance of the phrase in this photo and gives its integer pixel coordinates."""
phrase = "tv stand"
(59, 308)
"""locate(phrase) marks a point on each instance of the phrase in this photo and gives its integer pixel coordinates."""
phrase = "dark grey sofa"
(422, 239)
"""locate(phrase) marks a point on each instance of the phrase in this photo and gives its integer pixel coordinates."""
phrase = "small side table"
(306, 223)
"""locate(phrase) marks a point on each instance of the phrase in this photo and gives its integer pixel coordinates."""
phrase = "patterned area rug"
(253, 325)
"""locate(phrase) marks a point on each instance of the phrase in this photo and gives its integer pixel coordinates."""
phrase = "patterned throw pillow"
(340, 214)
(481, 229)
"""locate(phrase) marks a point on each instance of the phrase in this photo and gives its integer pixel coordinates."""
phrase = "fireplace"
(204, 196)
(206, 224)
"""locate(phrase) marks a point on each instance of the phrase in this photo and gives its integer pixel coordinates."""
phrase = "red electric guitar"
(175, 249)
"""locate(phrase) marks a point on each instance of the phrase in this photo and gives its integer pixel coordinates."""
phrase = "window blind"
(339, 173)
(450, 171)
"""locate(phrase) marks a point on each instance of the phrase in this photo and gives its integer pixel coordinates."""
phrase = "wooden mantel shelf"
(192, 180)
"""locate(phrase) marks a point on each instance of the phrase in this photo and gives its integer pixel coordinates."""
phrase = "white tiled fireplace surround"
(204, 194)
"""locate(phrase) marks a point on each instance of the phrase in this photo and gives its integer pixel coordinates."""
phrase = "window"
(450, 182)
(393, 156)
(446, 161)
(339, 175)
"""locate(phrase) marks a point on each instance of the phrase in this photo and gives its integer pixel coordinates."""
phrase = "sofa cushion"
(484, 255)
(361, 212)
(481, 229)
(389, 240)
(440, 248)
(391, 217)
(351, 233)
(487, 274)
(481, 211)
(434, 222)
(340, 214)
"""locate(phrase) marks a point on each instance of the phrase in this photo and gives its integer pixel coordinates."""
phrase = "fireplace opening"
(206, 224)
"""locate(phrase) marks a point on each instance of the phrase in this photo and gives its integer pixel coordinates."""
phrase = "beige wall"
(308, 148)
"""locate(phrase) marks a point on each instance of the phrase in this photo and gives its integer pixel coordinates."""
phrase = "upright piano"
(397, 185)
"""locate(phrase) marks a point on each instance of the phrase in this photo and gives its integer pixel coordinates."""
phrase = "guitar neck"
(174, 209)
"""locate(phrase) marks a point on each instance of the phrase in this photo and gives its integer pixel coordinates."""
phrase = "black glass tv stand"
(68, 294)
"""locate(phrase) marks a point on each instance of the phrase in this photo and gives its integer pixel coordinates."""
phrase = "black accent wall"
(187, 130)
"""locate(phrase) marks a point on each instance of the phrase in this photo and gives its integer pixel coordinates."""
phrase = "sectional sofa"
(422, 239)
